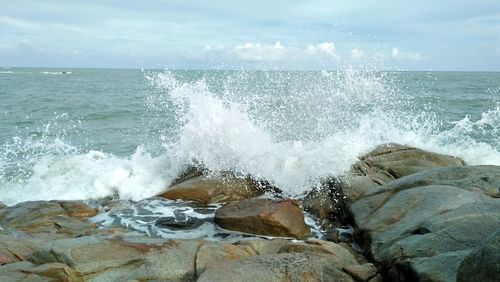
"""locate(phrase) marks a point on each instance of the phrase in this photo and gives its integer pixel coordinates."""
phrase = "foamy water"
(289, 128)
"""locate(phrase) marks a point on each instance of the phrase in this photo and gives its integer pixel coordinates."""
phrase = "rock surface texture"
(264, 217)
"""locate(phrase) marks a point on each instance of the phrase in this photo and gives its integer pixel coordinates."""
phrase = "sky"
(427, 35)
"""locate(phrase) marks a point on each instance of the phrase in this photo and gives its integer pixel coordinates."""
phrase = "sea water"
(92, 134)
(79, 134)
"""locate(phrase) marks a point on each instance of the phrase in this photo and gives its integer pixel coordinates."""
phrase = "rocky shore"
(399, 214)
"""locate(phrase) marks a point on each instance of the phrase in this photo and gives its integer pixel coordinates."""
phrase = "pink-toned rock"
(363, 272)
(264, 217)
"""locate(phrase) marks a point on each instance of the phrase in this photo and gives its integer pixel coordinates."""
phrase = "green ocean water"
(86, 133)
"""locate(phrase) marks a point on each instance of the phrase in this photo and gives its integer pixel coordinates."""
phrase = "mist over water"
(138, 130)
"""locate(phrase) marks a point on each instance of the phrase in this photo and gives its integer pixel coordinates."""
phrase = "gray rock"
(49, 219)
(279, 267)
(14, 249)
(387, 163)
(423, 232)
(483, 263)
(119, 258)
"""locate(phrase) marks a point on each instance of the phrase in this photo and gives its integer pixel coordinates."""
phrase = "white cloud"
(260, 52)
(327, 48)
(413, 56)
(357, 54)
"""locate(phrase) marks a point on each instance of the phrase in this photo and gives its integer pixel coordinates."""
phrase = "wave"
(56, 72)
(315, 127)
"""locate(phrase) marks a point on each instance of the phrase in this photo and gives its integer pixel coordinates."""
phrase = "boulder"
(339, 256)
(77, 209)
(264, 246)
(214, 189)
(14, 249)
(278, 267)
(219, 252)
(387, 163)
(120, 258)
(326, 201)
(483, 263)
(423, 232)
(264, 217)
(41, 218)
(361, 272)
(26, 271)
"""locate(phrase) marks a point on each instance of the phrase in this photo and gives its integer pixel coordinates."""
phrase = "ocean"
(79, 134)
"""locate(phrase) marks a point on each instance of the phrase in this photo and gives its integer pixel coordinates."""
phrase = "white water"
(223, 133)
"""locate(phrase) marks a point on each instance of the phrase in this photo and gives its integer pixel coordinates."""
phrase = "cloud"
(260, 52)
(357, 54)
(327, 48)
(399, 55)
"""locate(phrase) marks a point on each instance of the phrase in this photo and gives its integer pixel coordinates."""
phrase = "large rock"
(121, 258)
(387, 163)
(279, 267)
(483, 263)
(339, 256)
(26, 271)
(14, 249)
(264, 217)
(49, 219)
(214, 189)
(211, 252)
(423, 232)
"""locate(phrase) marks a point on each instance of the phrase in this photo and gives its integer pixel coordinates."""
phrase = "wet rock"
(326, 201)
(264, 217)
(220, 251)
(120, 258)
(42, 218)
(387, 163)
(77, 209)
(363, 272)
(483, 263)
(26, 271)
(265, 246)
(339, 256)
(13, 249)
(278, 267)
(423, 232)
(215, 189)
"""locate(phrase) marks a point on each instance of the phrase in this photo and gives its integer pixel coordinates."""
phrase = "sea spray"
(289, 128)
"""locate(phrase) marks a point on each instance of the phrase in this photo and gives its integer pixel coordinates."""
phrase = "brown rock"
(14, 249)
(264, 217)
(26, 271)
(340, 256)
(264, 246)
(218, 252)
(77, 209)
(293, 267)
(43, 219)
(209, 190)
(363, 272)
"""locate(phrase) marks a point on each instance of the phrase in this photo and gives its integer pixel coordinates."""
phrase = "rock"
(119, 258)
(387, 163)
(483, 179)
(363, 272)
(326, 201)
(220, 251)
(26, 271)
(42, 218)
(14, 249)
(264, 217)
(209, 190)
(423, 232)
(483, 263)
(279, 267)
(340, 256)
(442, 267)
(77, 209)
(265, 246)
